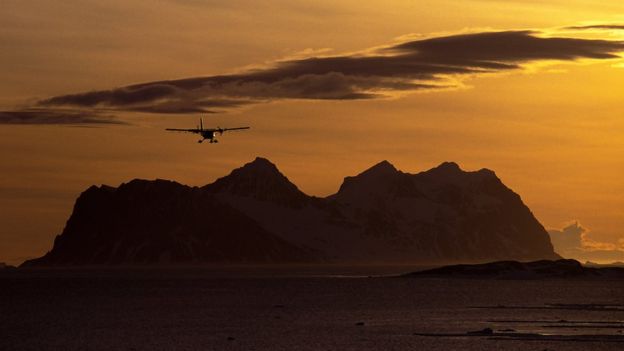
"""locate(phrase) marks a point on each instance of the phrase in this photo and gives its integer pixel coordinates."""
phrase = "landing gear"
(214, 141)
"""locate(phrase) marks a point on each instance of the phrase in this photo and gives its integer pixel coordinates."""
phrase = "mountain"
(262, 181)
(543, 269)
(443, 214)
(147, 222)
(255, 214)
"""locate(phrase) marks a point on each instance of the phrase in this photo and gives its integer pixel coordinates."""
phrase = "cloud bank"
(414, 65)
(573, 241)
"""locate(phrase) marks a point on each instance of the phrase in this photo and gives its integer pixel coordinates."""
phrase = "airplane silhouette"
(209, 134)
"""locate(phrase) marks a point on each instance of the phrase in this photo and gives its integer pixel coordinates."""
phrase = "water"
(330, 308)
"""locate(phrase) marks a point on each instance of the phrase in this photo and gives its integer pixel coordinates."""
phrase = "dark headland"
(256, 215)
(543, 269)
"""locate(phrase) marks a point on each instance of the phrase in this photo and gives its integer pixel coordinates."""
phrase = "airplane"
(209, 134)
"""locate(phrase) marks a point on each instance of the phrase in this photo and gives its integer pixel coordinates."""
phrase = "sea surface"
(302, 308)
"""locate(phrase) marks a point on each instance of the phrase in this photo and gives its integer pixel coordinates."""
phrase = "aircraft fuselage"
(208, 134)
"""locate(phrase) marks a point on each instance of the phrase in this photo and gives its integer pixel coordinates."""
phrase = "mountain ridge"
(255, 214)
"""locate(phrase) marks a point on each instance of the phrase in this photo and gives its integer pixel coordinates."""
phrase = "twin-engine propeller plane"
(206, 134)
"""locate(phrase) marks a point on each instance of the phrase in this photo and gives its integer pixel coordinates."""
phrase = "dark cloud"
(599, 26)
(409, 66)
(487, 50)
(55, 116)
(181, 106)
(413, 65)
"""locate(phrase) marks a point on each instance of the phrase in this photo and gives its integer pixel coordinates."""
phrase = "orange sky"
(553, 132)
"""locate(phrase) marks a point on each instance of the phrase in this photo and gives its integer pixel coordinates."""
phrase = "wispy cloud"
(414, 65)
(598, 26)
(56, 116)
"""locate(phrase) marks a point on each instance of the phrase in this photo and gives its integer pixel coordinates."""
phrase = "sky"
(530, 89)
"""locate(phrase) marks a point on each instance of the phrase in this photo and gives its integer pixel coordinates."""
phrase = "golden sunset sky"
(533, 90)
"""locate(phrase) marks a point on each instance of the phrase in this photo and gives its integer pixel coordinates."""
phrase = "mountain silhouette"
(260, 180)
(147, 222)
(255, 214)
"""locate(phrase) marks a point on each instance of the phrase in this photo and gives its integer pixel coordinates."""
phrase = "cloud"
(570, 237)
(55, 116)
(414, 65)
(598, 26)
(574, 241)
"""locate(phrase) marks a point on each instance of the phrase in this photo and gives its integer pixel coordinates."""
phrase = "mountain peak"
(487, 172)
(451, 172)
(262, 162)
(260, 179)
(382, 168)
(372, 180)
(445, 171)
(448, 167)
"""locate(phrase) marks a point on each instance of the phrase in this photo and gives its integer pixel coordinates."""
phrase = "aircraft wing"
(237, 128)
(194, 130)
